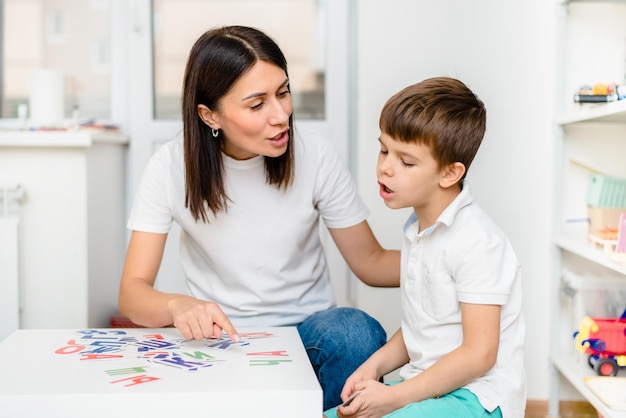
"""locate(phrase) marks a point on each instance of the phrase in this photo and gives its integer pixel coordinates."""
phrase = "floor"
(568, 409)
(565, 415)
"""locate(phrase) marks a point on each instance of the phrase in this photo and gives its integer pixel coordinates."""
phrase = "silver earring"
(215, 132)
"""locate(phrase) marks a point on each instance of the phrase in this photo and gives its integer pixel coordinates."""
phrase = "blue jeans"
(338, 341)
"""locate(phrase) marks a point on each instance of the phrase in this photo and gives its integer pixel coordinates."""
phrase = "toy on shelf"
(600, 93)
(604, 340)
(606, 210)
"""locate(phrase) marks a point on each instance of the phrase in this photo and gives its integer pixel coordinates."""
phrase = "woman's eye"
(256, 106)
(284, 93)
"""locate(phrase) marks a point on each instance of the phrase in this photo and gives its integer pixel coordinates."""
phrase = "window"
(69, 36)
(298, 26)
(73, 37)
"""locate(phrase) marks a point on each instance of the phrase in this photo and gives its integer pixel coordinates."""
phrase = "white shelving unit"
(592, 45)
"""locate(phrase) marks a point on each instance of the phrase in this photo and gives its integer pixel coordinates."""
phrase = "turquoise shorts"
(460, 403)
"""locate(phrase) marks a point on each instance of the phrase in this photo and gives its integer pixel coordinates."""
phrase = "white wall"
(505, 52)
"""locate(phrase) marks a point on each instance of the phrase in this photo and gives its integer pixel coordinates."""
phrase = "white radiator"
(10, 198)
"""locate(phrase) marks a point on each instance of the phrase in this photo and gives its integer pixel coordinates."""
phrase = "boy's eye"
(404, 163)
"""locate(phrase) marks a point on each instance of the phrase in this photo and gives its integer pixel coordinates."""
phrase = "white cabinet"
(72, 224)
(586, 281)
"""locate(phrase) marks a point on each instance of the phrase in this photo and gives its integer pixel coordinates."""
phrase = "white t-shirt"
(463, 257)
(262, 261)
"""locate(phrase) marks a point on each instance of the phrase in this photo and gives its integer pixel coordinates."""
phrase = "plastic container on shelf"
(590, 292)
(606, 191)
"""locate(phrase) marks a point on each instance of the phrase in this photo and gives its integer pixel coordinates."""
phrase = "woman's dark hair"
(216, 61)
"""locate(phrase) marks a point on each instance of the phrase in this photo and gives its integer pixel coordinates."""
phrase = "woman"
(248, 193)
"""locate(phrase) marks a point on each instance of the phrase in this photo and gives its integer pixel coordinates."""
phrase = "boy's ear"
(452, 174)
(207, 116)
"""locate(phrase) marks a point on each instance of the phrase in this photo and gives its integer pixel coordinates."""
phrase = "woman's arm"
(370, 262)
(140, 302)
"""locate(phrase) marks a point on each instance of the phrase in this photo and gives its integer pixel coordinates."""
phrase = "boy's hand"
(372, 401)
(363, 373)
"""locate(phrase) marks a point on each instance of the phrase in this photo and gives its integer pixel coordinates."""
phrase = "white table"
(117, 372)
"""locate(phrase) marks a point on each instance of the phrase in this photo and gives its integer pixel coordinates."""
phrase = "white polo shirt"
(463, 257)
(262, 261)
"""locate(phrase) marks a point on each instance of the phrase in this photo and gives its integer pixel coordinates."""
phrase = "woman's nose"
(281, 110)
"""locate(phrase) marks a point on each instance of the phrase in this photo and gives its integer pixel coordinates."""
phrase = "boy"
(461, 343)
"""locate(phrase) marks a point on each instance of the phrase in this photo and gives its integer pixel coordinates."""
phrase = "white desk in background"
(72, 234)
(153, 372)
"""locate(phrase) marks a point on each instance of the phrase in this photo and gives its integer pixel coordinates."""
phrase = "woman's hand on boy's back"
(371, 263)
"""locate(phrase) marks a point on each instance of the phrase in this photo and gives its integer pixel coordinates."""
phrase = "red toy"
(604, 339)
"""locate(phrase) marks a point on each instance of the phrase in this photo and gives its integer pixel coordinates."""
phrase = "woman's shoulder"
(311, 143)
(172, 148)
(168, 153)
(167, 160)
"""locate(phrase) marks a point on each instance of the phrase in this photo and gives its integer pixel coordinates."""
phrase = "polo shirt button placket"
(413, 259)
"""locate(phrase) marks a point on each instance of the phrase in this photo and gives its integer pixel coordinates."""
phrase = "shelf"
(576, 242)
(586, 277)
(61, 138)
(614, 112)
(594, 1)
(574, 370)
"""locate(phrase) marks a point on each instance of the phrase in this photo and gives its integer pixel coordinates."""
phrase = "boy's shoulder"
(467, 222)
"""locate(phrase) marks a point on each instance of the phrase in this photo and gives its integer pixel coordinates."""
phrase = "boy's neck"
(428, 214)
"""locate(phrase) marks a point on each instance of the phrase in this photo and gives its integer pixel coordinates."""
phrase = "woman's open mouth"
(281, 139)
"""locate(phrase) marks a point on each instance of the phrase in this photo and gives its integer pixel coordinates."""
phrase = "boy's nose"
(384, 167)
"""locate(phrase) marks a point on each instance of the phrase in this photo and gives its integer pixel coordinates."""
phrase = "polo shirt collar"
(447, 216)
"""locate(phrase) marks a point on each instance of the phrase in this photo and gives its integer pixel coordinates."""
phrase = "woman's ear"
(452, 174)
(207, 116)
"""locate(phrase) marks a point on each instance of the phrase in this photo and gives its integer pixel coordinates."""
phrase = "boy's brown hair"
(442, 113)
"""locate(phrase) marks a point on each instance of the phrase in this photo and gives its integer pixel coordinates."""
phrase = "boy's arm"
(370, 262)
(473, 358)
(386, 359)
(392, 355)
